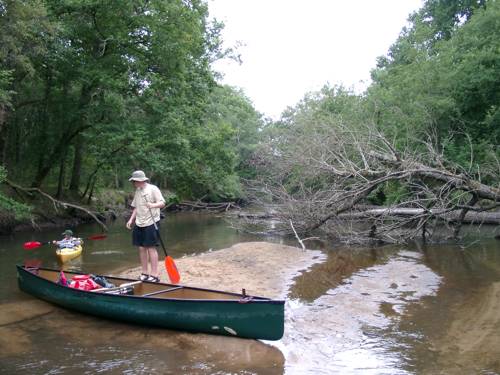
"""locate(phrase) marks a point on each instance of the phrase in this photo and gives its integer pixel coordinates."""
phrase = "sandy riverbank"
(262, 268)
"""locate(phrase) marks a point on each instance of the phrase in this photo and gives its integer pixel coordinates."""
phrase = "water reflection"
(62, 341)
(332, 333)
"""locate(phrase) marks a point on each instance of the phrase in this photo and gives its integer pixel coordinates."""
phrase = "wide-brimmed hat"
(67, 232)
(138, 176)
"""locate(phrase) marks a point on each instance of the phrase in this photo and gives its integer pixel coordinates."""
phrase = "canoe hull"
(64, 255)
(261, 319)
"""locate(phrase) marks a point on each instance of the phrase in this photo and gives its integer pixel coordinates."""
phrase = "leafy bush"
(19, 210)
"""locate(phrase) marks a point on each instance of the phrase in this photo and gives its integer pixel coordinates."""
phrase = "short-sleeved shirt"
(151, 194)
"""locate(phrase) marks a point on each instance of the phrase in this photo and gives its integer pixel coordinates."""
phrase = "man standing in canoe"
(147, 203)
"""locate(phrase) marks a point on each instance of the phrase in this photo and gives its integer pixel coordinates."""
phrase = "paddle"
(170, 266)
(36, 244)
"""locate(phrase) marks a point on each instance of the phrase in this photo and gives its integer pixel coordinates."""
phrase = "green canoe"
(164, 305)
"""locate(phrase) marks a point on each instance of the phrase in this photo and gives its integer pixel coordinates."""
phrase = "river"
(385, 310)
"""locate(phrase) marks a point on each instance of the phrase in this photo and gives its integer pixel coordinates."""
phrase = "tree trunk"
(47, 163)
(60, 184)
(458, 225)
(77, 165)
(46, 166)
(3, 133)
(89, 200)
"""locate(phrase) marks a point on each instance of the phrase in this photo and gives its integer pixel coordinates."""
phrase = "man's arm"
(131, 221)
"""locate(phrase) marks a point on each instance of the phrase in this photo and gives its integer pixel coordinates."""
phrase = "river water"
(432, 309)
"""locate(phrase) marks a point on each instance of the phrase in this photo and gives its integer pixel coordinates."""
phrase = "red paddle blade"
(172, 271)
(32, 245)
(97, 237)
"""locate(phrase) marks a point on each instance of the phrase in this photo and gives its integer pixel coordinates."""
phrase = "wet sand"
(472, 340)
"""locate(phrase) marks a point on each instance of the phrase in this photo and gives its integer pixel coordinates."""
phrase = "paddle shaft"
(159, 236)
(43, 243)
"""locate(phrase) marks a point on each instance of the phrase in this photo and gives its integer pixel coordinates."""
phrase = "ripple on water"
(107, 252)
(331, 334)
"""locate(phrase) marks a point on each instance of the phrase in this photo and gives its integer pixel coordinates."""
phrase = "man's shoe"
(153, 279)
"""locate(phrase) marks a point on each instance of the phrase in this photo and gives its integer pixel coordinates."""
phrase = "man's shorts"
(145, 236)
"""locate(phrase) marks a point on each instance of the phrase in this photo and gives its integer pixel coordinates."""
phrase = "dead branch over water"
(325, 174)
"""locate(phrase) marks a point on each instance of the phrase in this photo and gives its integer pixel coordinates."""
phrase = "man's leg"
(143, 255)
(153, 258)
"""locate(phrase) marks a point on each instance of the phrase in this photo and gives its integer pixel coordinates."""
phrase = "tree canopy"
(91, 90)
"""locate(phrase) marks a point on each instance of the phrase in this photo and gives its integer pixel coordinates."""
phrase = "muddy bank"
(38, 223)
(44, 210)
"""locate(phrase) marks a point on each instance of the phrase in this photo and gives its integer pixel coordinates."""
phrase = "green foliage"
(230, 107)
(91, 90)
(9, 205)
(441, 79)
(100, 88)
(323, 116)
(444, 16)
(5, 93)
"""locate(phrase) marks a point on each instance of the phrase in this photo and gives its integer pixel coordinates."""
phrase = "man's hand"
(129, 224)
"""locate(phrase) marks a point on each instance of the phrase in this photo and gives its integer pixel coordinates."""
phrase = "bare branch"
(57, 202)
(321, 175)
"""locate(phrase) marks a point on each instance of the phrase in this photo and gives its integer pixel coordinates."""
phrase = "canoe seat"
(161, 291)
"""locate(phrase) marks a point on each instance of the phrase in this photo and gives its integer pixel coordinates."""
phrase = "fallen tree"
(322, 174)
(208, 206)
(471, 217)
